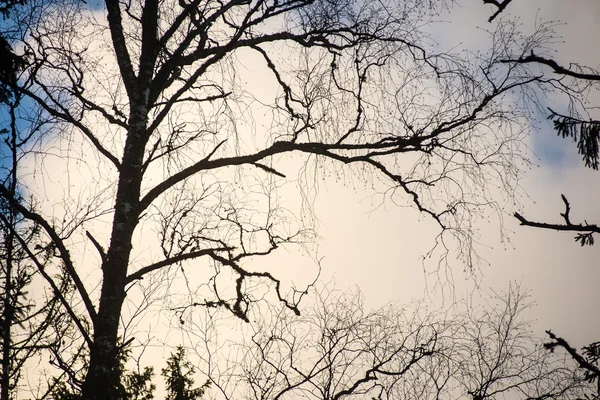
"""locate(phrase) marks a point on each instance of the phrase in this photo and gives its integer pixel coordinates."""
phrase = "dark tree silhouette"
(10, 63)
(588, 360)
(28, 320)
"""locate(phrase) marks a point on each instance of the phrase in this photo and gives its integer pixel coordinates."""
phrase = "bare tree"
(502, 357)
(177, 121)
(574, 123)
(337, 349)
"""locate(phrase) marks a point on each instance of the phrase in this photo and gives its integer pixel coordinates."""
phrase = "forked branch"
(586, 230)
(500, 5)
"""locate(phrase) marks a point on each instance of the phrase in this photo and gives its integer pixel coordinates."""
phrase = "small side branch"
(97, 245)
(565, 215)
(268, 169)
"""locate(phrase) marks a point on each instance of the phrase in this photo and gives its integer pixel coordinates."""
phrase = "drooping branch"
(64, 115)
(585, 133)
(213, 55)
(400, 145)
(344, 152)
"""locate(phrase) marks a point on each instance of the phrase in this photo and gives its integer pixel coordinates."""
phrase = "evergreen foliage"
(135, 385)
(10, 63)
(585, 133)
(179, 378)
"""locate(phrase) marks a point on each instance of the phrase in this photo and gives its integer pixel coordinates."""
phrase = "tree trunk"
(8, 315)
(100, 382)
(7, 319)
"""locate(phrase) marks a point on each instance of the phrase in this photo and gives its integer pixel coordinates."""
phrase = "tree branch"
(97, 245)
(587, 230)
(65, 116)
(326, 149)
(64, 253)
(57, 292)
(268, 169)
(500, 7)
(139, 274)
(115, 24)
(532, 58)
(583, 363)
